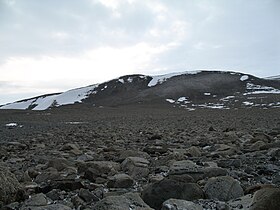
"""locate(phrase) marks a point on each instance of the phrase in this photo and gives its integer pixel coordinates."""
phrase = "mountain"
(190, 90)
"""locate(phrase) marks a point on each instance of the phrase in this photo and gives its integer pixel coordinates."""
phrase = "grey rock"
(48, 207)
(227, 163)
(136, 167)
(208, 204)
(176, 204)
(120, 181)
(87, 196)
(223, 188)
(243, 202)
(129, 201)
(214, 172)
(73, 148)
(266, 198)
(59, 163)
(156, 193)
(187, 167)
(133, 153)
(193, 151)
(10, 188)
(37, 200)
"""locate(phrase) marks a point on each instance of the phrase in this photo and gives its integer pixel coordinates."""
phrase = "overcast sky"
(50, 46)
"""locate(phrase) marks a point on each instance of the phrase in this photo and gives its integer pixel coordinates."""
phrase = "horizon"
(155, 75)
(49, 47)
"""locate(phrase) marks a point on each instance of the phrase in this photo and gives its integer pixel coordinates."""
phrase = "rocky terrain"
(140, 157)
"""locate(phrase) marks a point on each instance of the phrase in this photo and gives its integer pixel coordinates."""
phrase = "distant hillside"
(190, 90)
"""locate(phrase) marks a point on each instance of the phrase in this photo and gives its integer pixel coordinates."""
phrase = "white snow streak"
(162, 78)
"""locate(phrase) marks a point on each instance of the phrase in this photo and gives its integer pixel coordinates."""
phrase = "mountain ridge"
(195, 87)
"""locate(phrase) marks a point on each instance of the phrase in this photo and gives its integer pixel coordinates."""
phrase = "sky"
(52, 46)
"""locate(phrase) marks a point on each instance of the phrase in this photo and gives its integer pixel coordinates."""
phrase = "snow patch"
(11, 125)
(121, 81)
(207, 94)
(182, 99)
(227, 98)
(74, 123)
(162, 78)
(258, 89)
(45, 102)
(244, 78)
(247, 103)
(170, 100)
(18, 105)
(130, 79)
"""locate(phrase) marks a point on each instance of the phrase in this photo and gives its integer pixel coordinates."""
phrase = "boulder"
(156, 193)
(176, 204)
(120, 181)
(127, 201)
(193, 152)
(223, 188)
(187, 167)
(136, 167)
(59, 163)
(266, 198)
(10, 188)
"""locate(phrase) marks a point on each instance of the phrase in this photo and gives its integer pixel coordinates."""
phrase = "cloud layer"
(55, 45)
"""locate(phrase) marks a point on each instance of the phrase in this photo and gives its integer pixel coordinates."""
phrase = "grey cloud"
(245, 32)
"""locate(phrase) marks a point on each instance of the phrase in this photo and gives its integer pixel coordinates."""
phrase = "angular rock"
(136, 167)
(10, 188)
(59, 163)
(120, 181)
(48, 207)
(227, 163)
(257, 145)
(223, 188)
(94, 169)
(37, 200)
(156, 193)
(133, 153)
(243, 202)
(176, 204)
(87, 196)
(214, 172)
(73, 148)
(187, 167)
(155, 149)
(193, 152)
(127, 201)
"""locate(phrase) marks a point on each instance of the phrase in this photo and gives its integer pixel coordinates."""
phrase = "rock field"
(140, 158)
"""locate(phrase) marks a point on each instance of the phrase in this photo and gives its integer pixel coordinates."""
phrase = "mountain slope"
(199, 89)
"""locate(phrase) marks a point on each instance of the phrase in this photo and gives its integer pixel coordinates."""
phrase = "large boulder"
(223, 188)
(266, 198)
(156, 193)
(10, 188)
(129, 201)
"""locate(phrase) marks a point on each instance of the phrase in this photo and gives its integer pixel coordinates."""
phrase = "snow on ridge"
(258, 89)
(162, 78)
(45, 102)
(244, 78)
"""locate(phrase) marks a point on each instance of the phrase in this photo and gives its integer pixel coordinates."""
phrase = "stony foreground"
(139, 159)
